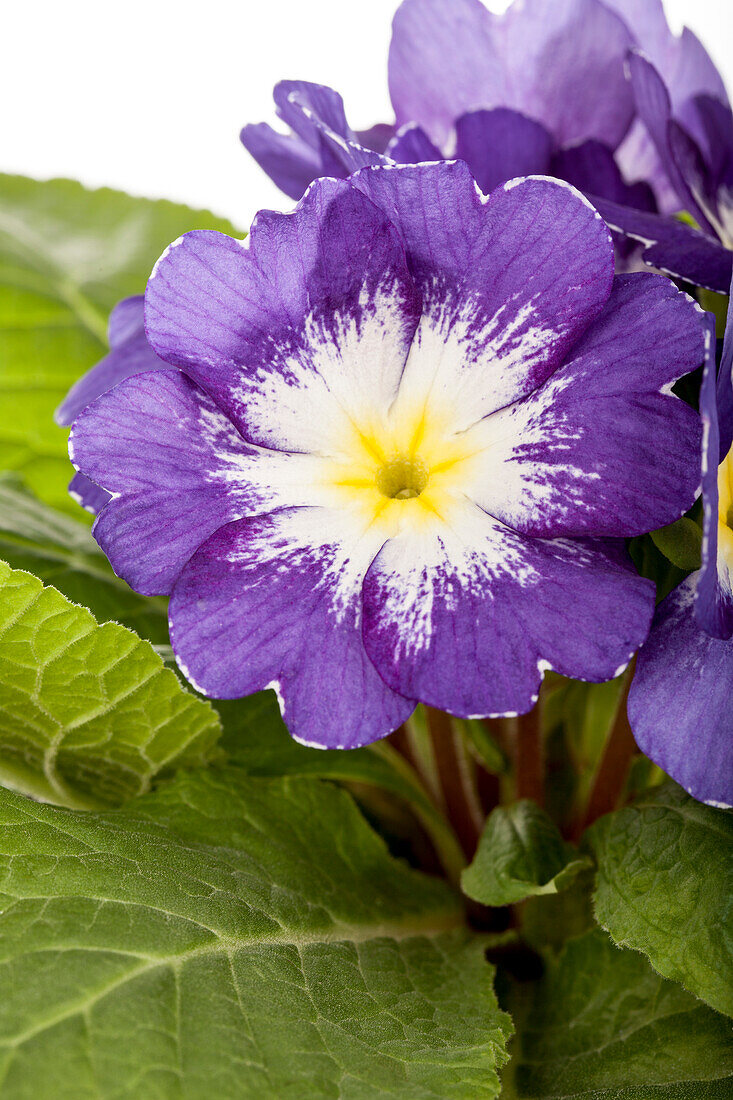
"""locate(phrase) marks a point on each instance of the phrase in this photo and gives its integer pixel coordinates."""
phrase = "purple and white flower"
(538, 90)
(681, 699)
(129, 354)
(409, 427)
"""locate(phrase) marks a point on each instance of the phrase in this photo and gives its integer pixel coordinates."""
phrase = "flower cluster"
(388, 449)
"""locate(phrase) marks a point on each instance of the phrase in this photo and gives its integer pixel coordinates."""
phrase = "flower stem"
(456, 775)
(613, 768)
(443, 839)
(529, 763)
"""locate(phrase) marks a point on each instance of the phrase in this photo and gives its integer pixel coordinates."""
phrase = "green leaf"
(520, 854)
(66, 256)
(681, 543)
(665, 883)
(255, 737)
(601, 1025)
(548, 921)
(61, 551)
(233, 937)
(88, 713)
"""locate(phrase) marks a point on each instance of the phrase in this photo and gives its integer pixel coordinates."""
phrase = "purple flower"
(694, 148)
(409, 427)
(681, 699)
(685, 68)
(540, 90)
(129, 354)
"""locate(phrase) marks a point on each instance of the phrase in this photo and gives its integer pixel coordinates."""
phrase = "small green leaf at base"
(88, 713)
(665, 884)
(233, 938)
(520, 854)
(681, 543)
(601, 1025)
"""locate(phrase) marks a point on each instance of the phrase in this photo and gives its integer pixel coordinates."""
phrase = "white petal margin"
(276, 600)
(465, 614)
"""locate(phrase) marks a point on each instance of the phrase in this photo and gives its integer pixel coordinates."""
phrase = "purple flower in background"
(685, 68)
(693, 147)
(539, 90)
(130, 353)
(409, 427)
(681, 699)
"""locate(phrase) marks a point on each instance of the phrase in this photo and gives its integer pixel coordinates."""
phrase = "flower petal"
(300, 103)
(654, 107)
(509, 282)
(559, 63)
(276, 601)
(687, 71)
(87, 494)
(500, 145)
(279, 332)
(178, 470)
(714, 593)
(443, 61)
(411, 145)
(465, 614)
(681, 700)
(603, 448)
(289, 161)
(130, 354)
(672, 246)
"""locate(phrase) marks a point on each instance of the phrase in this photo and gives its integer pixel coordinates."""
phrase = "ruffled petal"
(681, 700)
(500, 145)
(87, 494)
(177, 470)
(290, 162)
(130, 353)
(411, 145)
(559, 63)
(714, 593)
(279, 330)
(671, 246)
(465, 614)
(687, 71)
(603, 448)
(509, 282)
(276, 602)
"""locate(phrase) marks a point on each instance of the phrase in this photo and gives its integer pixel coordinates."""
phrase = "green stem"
(444, 840)
(457, 779)
(613, 769)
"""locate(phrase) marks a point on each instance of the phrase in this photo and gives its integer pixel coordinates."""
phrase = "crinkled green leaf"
(67, 255)
(665, 887)
(602, 1025)
(520, 853)
(681, 543)
(61, 551)
(255, 737)
(233, 937)
(88, 713)
(548, 921)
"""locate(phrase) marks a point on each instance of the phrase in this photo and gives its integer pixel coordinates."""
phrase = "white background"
(149, 95)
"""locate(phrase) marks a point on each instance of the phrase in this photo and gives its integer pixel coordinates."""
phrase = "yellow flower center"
(401, 473)
(402, 478)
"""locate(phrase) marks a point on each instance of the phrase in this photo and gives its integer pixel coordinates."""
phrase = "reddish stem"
(459, 793)
(613, 769)
(529, 764)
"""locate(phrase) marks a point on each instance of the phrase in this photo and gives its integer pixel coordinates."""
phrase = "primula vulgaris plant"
(427, 485)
